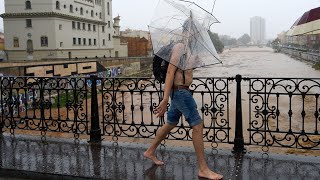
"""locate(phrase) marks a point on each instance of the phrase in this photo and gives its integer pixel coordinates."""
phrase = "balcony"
(98, 128)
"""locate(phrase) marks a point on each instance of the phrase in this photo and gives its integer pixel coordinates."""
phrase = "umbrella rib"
(214, 4)
(170, 32)
(198, 32)
(200, 8)
(205, 46)
(164, 17)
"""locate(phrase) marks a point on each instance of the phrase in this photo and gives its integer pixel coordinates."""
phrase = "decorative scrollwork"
(285, 112)
(45, 104)
(129, 104)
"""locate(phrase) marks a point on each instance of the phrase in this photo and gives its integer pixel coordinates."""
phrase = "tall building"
(258, 30)
(51, 29)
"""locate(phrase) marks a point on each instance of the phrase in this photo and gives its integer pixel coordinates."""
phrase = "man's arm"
(169, 81)
(176, 54)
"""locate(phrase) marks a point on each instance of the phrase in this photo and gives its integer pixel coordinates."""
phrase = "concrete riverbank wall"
(308, 56)
(103, 67)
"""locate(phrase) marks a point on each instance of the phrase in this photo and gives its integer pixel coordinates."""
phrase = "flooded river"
(258, 62)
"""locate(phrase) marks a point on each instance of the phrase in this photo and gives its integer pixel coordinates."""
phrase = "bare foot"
(153, 158)
(208, 174)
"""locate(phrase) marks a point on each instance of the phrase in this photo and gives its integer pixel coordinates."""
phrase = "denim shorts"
(182, 103)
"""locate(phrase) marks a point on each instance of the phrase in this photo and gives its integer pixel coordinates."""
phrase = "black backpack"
(160, 66)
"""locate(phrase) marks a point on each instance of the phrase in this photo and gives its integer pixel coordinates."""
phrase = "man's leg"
(197, 138)
(161, 134)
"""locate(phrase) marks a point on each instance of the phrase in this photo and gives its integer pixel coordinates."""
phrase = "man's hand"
(161, 109)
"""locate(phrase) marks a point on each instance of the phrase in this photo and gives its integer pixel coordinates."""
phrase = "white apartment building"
(51, 29)
(258, 30)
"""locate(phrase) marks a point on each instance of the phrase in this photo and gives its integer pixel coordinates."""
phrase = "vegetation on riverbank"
(317, 66)
(142, 73)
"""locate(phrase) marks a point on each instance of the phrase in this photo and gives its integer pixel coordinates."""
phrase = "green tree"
(275, 43)
(228, 41)
(216, 41)
(244, 39)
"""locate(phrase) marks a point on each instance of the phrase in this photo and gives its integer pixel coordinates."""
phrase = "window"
(73, 25)
(98, 2)
(103, 42)
(15, 42)
(61, 44)
(94, 42)
(29, 46)
(74, 41)
(89, 42)
(28, 22)
(81, 11)
(60, 26)
(92, 14)
(71, 8)
(84, 26)
(28, 5)
(44, 41)
(89, 27)
(57, 5)
(94, 27)
(79, 25)
(100, 15)
(109, 37)
(79, 41)
(108, 8)
(84, 41)
(109, 25)
(102, 29)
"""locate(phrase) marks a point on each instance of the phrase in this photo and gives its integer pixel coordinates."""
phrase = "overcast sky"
(234, 15)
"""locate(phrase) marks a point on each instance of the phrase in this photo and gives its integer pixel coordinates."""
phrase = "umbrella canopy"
(308, 23)
(183, 25)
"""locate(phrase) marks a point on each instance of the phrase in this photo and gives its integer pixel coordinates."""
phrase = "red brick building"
(137, 47)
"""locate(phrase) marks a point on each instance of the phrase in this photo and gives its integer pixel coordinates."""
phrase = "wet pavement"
(27, 157)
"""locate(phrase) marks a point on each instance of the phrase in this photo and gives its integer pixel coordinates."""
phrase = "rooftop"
(28, 157)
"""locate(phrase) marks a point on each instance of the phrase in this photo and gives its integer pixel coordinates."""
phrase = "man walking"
(182, 102)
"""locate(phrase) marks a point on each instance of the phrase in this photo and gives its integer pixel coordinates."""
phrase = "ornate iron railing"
(284, 112)
(280, 112)
(128, 108)
(44, 104)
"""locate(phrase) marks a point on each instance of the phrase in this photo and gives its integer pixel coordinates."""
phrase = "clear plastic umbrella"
(184, 25)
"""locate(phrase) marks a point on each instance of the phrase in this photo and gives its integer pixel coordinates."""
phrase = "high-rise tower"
(258, 30)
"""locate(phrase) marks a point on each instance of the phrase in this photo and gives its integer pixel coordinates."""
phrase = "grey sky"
(234, 15)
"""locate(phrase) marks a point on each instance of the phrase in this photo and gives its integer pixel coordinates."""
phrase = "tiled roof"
(311, 15)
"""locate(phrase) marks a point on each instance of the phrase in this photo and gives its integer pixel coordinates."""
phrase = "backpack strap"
(184, 77)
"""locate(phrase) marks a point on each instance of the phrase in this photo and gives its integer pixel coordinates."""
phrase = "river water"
(258, 62)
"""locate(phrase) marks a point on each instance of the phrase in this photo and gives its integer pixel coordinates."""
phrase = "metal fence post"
(1, 103)
(238, 140)
(42, 127)
(95, 131)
